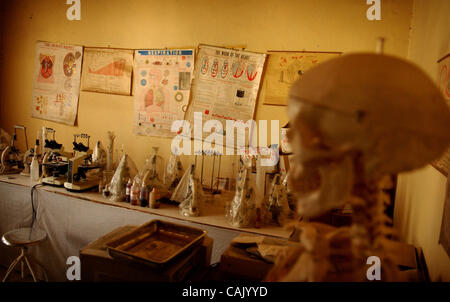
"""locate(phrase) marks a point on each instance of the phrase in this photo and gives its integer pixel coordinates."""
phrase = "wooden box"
(235, 263)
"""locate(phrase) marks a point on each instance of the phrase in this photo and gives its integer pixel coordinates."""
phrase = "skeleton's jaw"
(320, 188)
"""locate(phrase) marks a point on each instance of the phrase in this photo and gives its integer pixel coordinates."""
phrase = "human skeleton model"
(354, 120)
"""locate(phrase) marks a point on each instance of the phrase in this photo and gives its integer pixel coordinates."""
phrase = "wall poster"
(107, 70)
(226, 84)
(56, 82)
(443, 164)
(284, 68)
(162, 83)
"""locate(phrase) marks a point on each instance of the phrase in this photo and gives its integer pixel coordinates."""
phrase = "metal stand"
(25, 259)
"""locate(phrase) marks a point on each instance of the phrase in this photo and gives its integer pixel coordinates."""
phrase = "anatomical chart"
(443, 164)
(162, 83)
(56, 82)
(107, 70)
(226, 84)
(284, 68)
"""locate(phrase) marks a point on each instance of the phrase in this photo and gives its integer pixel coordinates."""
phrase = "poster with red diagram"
(226, 84)
(56, 82)
(107, 70)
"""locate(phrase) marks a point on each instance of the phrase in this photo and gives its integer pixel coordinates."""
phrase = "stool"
(24, 238)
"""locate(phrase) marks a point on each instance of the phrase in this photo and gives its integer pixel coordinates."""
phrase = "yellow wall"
(259, 25)
(420, 194)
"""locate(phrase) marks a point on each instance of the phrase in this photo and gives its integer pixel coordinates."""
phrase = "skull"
(356, 118)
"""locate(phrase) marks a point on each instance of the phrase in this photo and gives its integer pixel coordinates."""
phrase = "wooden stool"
(24, 238)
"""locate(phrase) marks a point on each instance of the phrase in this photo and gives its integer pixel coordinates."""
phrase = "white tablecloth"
(72, 223)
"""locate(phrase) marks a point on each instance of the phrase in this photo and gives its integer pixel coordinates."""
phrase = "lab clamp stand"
(220, 182)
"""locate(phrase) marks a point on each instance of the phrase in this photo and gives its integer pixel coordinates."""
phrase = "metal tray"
(155, 243)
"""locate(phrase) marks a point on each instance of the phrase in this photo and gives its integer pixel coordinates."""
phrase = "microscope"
(11, 161)
(81, 175)
(55, 161)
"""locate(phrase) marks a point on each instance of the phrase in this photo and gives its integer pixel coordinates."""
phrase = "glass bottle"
(128, 191)
(134, 194)
(143, 196)
(154, 203)
(34, 169)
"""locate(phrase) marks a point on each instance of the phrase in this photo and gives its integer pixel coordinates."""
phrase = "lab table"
(73, 220)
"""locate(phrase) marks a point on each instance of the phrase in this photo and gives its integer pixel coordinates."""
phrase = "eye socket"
(309, 138)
